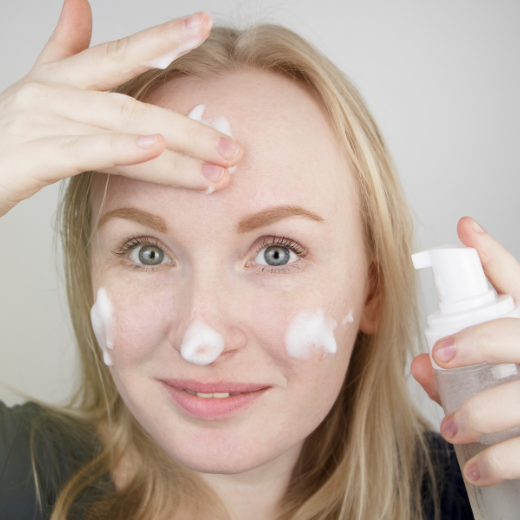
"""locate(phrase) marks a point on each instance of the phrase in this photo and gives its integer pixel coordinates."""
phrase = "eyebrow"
(272, 215)
(137, 215)
(245, 225)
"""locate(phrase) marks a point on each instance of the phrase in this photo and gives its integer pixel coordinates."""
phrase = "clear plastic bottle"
(465, 300)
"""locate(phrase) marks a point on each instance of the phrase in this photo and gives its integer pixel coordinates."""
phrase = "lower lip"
(213, 408)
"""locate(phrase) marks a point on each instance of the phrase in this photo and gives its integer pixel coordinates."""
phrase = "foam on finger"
(165, 60)
(220, 123)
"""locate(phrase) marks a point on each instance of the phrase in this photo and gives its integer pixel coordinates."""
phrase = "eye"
(275, 255)
(148, 255)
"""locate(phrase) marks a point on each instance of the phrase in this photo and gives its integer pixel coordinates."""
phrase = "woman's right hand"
(59, 120)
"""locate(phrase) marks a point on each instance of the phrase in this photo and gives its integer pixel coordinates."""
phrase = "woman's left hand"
(496, 341)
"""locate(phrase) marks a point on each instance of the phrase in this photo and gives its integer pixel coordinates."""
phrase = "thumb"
(72, 34)
(421, 370)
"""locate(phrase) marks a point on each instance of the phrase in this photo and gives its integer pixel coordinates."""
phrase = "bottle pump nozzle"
(460, 281)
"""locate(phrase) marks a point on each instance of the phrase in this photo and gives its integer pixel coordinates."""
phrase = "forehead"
(291, 154)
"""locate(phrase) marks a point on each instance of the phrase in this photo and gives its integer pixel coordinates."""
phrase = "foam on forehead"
(220, 123)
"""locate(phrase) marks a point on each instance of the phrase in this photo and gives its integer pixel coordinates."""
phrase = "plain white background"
(441, 77)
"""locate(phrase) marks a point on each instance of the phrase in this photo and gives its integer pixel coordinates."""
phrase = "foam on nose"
(201, 344)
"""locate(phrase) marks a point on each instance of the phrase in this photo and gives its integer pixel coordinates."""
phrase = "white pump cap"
(460, 281)
(462, 287)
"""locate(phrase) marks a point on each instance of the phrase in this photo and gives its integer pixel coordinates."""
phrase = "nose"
(210, 328)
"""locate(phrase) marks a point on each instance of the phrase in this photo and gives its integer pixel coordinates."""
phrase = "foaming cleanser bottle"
(465, 300)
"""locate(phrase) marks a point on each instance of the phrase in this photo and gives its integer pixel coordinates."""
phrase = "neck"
(257, 493)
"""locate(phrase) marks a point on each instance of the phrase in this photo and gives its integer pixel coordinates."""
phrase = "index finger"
(500, 266)
(108, 65)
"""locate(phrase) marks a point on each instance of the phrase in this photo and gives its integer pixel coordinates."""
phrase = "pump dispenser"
(466, 299)
(462, 287)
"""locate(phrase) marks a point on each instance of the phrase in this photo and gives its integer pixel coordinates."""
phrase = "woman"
(242, 349)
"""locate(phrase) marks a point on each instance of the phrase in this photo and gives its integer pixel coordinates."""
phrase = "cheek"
(143, 318)
(302, 334)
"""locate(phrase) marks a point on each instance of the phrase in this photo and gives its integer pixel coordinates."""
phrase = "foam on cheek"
(102, 318)
(219, 123)
(201, 345)
(308, 331)
(349, 318)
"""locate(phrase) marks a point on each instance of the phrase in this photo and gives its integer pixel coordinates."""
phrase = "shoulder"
(31, 434)
(449, 483)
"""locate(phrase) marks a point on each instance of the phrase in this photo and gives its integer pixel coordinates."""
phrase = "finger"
(72, 34)
(177, 170)
(500, 266)
(495, 464)
(496, 341)
(169, 168)
(421, 370)
(62, 157)
(124, 114)
(108, 65)
(493, 410)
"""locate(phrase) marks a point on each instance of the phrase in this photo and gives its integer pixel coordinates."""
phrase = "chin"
(217, 460)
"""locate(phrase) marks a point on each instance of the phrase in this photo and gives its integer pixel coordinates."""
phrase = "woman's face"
(206, 265)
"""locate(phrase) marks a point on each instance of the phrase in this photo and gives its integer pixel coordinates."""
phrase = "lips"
(230, 398)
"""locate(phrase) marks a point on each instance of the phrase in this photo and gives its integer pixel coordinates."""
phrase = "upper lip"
(210, 388)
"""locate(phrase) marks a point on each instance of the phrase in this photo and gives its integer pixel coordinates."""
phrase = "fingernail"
(146, 141)
(448, 427)
(212, 172)
(445, 350)
(477, 227)
(194, 21)
(227, 148)
(472, 473)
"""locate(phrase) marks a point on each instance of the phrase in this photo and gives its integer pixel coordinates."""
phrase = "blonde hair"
(369, 456)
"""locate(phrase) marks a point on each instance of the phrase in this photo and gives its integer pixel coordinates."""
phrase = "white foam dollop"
(349, 318)
(201, 345)
(310, 330)
(102, 318)
(219, 123)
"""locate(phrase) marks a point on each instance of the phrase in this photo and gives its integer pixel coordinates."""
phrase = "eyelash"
(284, 242)
(133, 242)
(137, 241)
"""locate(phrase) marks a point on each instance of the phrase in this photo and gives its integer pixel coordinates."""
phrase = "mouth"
(212, 401)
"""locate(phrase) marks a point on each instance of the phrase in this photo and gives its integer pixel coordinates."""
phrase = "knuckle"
(69, 145)
(19, 124)
(114, 142)
(175, 160)
(495, 462)
(470, 415)
(132, 110)
(480, 338)
(192, 135)
(30, 92)
(117, 50)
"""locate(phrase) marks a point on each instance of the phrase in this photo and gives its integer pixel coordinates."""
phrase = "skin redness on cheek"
(308, 331)
(102, 318)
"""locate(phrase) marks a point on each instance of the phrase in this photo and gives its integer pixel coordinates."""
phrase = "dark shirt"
(57, 460)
